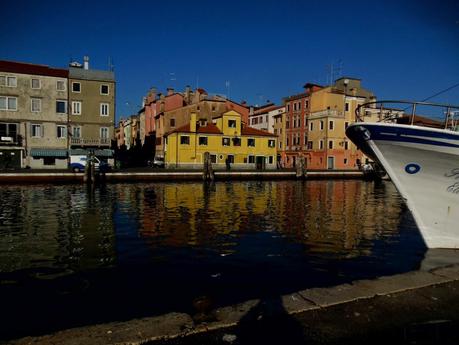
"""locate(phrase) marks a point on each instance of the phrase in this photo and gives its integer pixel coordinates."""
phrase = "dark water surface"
(71, 257)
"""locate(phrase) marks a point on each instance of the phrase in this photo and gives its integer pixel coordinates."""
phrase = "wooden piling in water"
(300, 167)
(208, 172)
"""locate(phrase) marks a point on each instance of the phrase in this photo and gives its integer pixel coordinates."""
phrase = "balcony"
(10, 140)
(90, 142)
(326, 113)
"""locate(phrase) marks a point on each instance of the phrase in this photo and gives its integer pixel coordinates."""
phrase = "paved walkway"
(420, 307)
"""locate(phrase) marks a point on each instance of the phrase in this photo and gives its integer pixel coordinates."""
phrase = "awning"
(36, 152)
(98, 153)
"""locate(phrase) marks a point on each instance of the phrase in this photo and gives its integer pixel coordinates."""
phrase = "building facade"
(263, 117)
(332, 109)
(33, 116)
(91, 109)
(229, 143)
(297, 108)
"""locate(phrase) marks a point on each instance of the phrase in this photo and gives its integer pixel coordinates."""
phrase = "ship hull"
(423, 163)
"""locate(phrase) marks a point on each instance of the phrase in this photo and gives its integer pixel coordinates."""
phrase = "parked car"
(78, 163)
(158, 162)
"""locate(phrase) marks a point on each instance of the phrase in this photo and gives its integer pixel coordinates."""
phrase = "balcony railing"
(12, 140)
(90, 142)
(327, 112)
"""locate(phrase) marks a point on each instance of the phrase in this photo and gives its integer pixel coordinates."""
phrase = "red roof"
(27, 68)
(213, 129)
(209, 129)
(266, 109)
(256, 132)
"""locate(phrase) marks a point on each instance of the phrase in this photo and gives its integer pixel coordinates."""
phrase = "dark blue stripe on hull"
(360, 133)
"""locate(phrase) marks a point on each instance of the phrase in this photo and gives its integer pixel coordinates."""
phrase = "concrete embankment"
(174, 175)
(419, 307)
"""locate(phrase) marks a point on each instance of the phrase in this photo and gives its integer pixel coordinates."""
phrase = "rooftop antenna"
(227, 84)
(111, 66)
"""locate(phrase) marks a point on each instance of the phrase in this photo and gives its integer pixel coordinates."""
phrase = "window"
(76, 132)
(345, 161)
(347, 107)
(232, 123)
(61, 107)
(270, 160)
(306, 104)
(311, 126)
(230, 158)
(346, 124)
(310, 145)
(184, 140)
(330, 125)
(237, 141)
(104, 109)
(49, 161)
(76, 107)
(202, 140)
(76, 87)
(226, 141)
(35, 83)
(8, 81)
(213, 159)
(251, 142)
(321, 125)
(330, 144)
(172, 122)
(61, 132)
(104, 132)
(104, 90)
(251, 159)
(60, 85)
(321, 145)
(271, 143)
(8, 103)
(36, 131)
(346, 145)
(35, 105)
(8, 130)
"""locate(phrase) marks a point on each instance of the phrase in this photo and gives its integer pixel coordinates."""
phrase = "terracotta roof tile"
(209, 129)
(256, 132)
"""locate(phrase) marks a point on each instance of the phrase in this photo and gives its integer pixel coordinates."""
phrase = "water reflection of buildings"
(340, 217)
(55, 228)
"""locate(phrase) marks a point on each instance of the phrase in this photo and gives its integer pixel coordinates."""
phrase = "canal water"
(70, 256)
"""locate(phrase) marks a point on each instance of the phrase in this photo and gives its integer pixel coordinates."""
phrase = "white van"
(78, 163)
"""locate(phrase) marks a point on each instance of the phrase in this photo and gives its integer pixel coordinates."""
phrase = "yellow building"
(226, 140)
(280, 131)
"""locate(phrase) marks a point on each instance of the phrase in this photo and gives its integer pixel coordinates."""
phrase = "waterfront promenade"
(145, 174)
(418, 307)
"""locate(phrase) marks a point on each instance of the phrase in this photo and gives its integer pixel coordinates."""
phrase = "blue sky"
(265, 49)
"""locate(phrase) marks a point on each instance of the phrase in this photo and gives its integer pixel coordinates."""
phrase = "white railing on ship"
(389, 114)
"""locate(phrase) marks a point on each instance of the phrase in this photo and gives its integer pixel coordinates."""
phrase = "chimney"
(193, 123)
(151, 97)
(187, 94)
(170, 91)
(86, 62)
